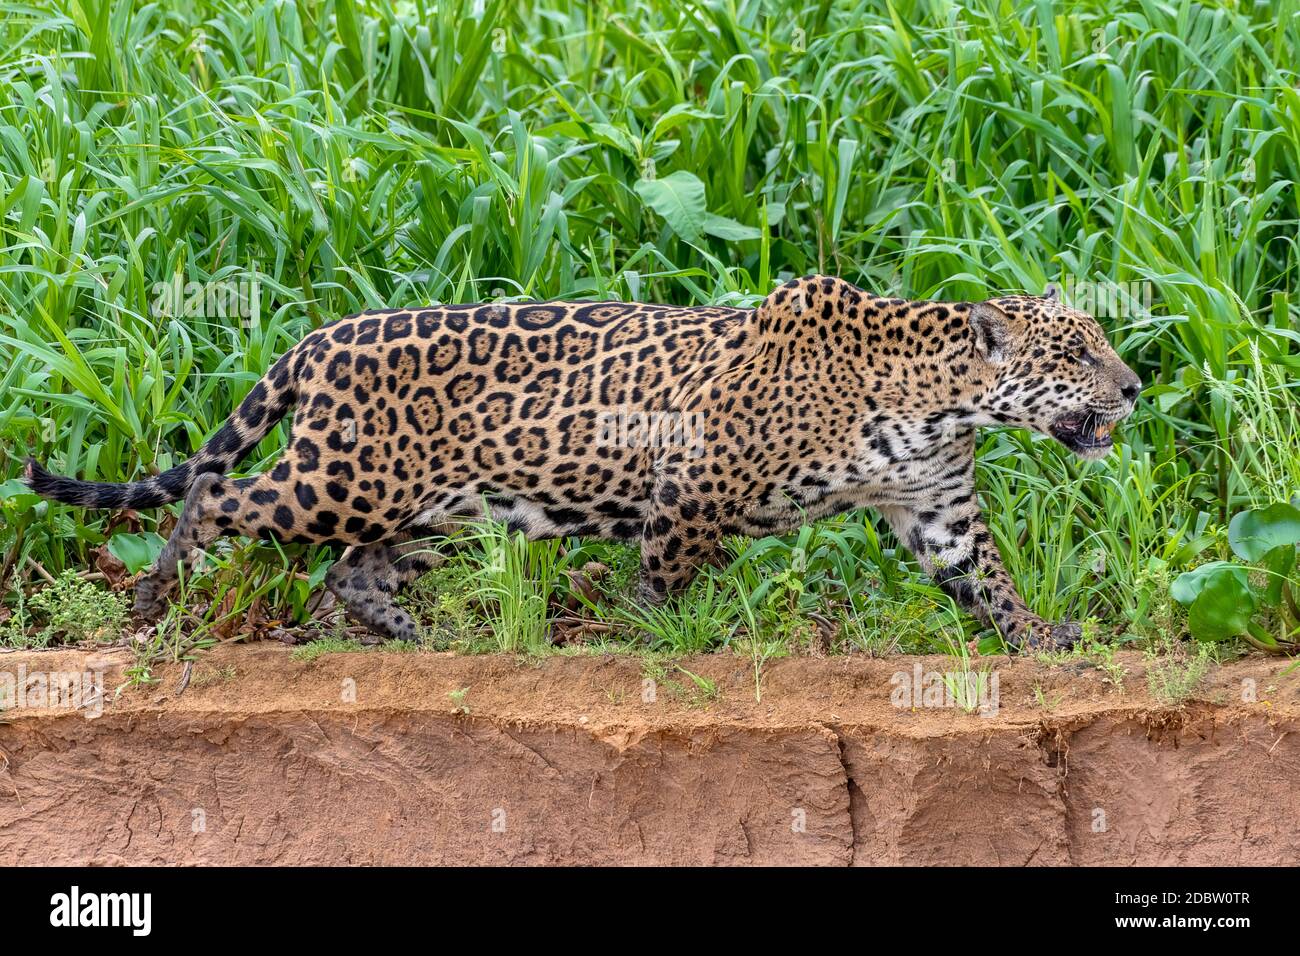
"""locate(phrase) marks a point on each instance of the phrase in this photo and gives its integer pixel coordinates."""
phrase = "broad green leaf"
(1258, 531)
(317, 577)
(136, 551)
(679, 198)
(728, 229)
(17, 495)
(1188, 585)
(1222, 610)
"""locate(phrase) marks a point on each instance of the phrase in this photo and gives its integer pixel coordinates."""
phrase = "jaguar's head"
(1052, 371)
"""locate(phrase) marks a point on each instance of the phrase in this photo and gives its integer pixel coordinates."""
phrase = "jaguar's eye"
(1084, 357)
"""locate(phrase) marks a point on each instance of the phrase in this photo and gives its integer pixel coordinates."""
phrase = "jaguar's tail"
(268, 402)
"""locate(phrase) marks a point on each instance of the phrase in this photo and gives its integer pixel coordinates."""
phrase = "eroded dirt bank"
(425, 758)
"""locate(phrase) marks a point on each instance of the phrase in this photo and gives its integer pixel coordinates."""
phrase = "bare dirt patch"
(434, 758)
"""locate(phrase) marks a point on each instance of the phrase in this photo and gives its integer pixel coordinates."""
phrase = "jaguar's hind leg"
(198, 527)
(368, 577)
(260, 507)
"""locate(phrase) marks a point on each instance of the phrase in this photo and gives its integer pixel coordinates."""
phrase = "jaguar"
(667, 426)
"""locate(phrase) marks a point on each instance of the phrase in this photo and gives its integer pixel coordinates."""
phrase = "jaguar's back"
(542, 410)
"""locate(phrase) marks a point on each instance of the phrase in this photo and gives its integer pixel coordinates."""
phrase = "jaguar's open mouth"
(1087, 434)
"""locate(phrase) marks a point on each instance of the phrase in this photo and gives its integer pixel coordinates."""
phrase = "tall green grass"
(320, 158)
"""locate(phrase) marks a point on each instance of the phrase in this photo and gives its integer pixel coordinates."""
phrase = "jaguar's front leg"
(956, 549)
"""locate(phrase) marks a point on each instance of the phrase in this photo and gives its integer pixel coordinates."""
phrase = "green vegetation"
(325, 645)
(1174, 671)
(67, 610)
(187, 189)
(1222, 597)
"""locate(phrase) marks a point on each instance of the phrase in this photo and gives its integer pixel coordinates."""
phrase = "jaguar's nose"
(1130, 386)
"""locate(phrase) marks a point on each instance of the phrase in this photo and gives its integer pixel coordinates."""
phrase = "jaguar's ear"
(992, 328)
(1052, 293)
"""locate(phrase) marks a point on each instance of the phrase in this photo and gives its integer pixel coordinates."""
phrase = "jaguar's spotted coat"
(823, 399)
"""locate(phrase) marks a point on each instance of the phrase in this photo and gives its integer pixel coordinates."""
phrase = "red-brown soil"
(263, 760)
